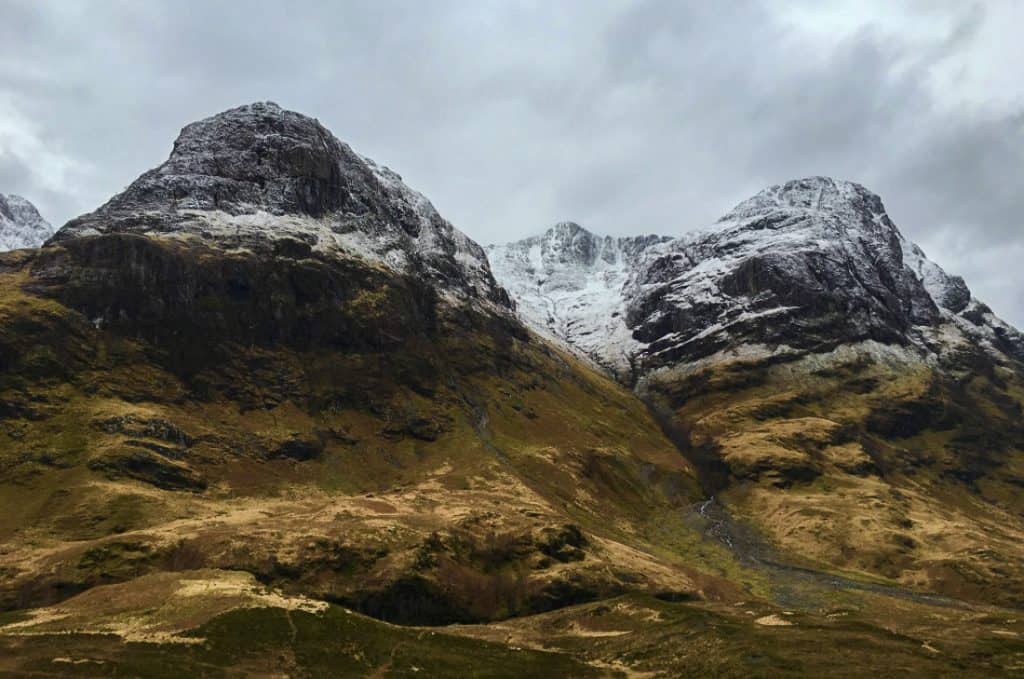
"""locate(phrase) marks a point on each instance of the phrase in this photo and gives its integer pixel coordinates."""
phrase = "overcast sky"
(628, 117)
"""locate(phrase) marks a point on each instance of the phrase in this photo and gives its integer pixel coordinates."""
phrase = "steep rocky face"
(567, 284)
(262, 179)
(805, 266)
(834, 387)
(263, 229)
(802, 267)
(269, 315)
(198, 302)
(237, 399)
(21, 225)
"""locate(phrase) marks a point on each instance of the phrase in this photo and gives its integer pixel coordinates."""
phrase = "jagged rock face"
(196, 302)
(21, 225)
(567, 284)
(809, 264)
(801, 267)
(263, 179)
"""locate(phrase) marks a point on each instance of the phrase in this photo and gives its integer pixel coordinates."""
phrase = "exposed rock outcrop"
(262, 179)
(801, 267)
(568, 283)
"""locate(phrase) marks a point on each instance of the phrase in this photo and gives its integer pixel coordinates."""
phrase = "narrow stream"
(792, 586)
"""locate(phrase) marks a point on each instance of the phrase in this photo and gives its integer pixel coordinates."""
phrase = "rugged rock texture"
(802, 267)
(263, 179)
(832, 386)
(21, 225)
(568, 283)
(199, 301)
(805, 266)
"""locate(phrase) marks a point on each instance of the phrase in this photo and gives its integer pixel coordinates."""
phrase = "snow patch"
(21, 225)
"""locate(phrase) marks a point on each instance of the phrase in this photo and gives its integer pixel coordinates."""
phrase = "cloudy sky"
(628, 117)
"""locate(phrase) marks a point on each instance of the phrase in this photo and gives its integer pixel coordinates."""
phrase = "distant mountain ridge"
(800, 267)
(21, 225)
(567, 284)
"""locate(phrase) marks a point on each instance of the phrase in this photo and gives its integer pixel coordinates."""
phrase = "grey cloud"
(654, 116)
(14, 174)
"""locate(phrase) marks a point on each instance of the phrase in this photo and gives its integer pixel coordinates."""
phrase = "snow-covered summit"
(813, 194)
(255, 176)
(804, 266)
(849, 210)
(21, 225)
(568, 283)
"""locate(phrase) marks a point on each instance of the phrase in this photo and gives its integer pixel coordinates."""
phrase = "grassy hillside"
(868, 462)
(472, 473)
(195, 482)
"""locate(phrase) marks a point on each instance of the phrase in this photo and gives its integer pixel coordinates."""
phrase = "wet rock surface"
(149, 467)
(191, 297)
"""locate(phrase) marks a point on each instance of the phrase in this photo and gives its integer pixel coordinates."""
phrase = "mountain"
(270, 374)
(21, 225)
(267, 413)
(805, 267)
(261, 179)
(834, 388)
(568, 285)
(798, 268)
(268, 310)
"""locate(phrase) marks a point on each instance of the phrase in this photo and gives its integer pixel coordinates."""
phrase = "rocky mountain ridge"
(21, 225)
(263, 179)
(831, 385)
(567, 284)
(805, 266)
(268, 400)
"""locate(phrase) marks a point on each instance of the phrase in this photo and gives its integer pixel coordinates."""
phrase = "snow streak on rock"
(568, 285)
(803, 267)
(264, 179)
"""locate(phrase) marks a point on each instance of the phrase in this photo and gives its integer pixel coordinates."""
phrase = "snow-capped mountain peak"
(21, 225)
(568, 285)
(261, 178)
(802, 267)
(813, 194)
(853, 210)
